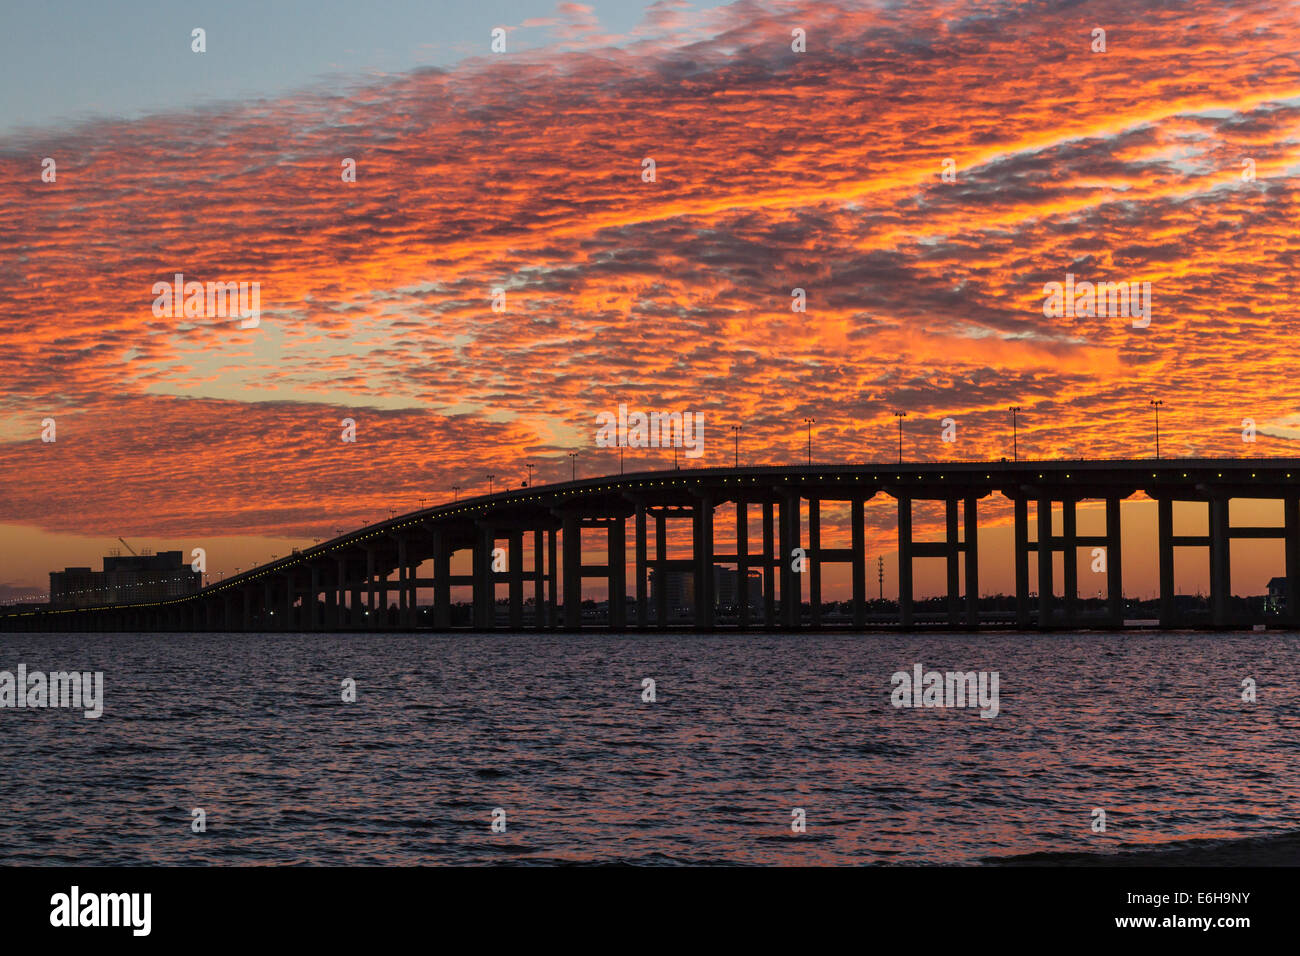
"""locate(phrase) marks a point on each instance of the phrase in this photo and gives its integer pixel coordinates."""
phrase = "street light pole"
(900, 416)
(1155, 404)
(573, 466)
(1015, 449)
(491, 478)
(810, 422)
(455, 492)
(735, 430)
(530, 474)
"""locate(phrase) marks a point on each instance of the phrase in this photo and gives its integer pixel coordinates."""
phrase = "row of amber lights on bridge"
(386, 527)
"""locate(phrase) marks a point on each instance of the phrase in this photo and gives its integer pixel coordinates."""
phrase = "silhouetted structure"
(345, 583)
(126, 579)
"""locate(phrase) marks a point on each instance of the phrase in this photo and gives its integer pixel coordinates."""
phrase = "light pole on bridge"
(810, 422)
(1155, 404)
(490, 478)
(900, 416)
(573, 466)
(1015, 449)
(735, 430)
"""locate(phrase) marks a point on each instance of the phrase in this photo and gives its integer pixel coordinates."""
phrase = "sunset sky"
(1170, 158)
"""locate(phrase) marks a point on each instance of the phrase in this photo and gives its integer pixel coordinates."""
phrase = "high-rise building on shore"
(124, 580)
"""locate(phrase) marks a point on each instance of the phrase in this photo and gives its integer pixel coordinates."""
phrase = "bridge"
(345, 584)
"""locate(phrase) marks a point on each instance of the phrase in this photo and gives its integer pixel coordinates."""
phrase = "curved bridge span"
(544, 537)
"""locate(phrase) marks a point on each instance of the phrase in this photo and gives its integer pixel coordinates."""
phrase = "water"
(252, 729)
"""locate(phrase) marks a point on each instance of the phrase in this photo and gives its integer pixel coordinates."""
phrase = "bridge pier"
(970, 546)
(572, 572)
(639, 560)
(484, 587)
(552, 579)
(702, 528)
(1291, 530)
(1114, 562)
(859, 544)
(791, 590)
(769, 565)
(616, 549)
(661, 557)
(952, 559)
(1220, 570)
(1165, 535)
(904, 561)
(515, 574)
(1070, 560)
(1044, 562)
(742, 563)
(1021, 507)
(814, 563)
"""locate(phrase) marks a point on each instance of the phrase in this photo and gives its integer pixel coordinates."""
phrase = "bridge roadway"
(345, 583)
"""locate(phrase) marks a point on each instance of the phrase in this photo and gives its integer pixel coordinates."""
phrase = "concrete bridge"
(346, 584)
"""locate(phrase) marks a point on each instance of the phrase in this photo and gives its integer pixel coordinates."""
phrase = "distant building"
(680, 587)
(125, 579)
(1277, 594)
(726, 587)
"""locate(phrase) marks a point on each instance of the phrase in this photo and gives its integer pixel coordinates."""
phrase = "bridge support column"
(702, 526)
(1114, 563)
(814, 563)
(859, 543)
(371, 619)
(952, 557)
(287, 623)
(539, 579)
(742, 564)
(572, 573)
(552, 580)
(1044, 563)
(904, 561)
(1165, 534)
(441, 581)
(1291, 509)
(970, 513)
(661, 576)
(1070, 559)
(516, 575)
(791, 590)
(340, 593)
(484, 586)
(312, 616)
(769, 567)
(1220, 566)
(616, 545)
(1022, 561)
(331, 611)
(642, 611)
(403, 584)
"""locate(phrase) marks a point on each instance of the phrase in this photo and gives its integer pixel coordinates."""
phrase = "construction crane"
(128, 547)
